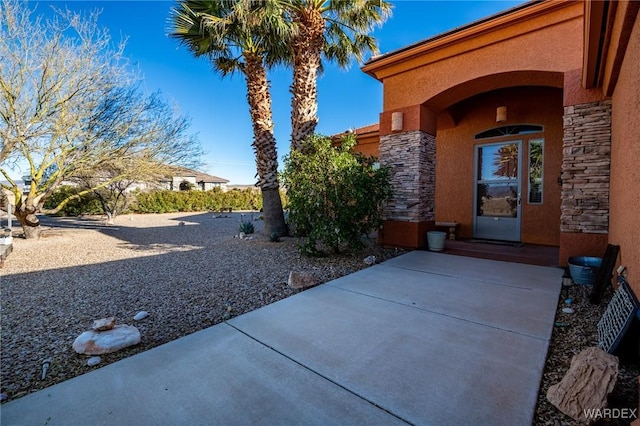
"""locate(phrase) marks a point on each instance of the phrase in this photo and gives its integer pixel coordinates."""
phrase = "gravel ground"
(53, 289)
(573, 333)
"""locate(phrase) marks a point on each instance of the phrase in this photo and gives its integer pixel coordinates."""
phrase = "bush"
(86, 204)
(335, 196)
(166, 201)
(246, 227)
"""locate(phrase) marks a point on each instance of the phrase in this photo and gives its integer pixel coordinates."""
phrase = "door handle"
(519, 198)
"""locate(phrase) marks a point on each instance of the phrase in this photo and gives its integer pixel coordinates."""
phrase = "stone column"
(412, 158)
(585, 178)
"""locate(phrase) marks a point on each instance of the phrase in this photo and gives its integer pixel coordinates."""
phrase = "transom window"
(518, 129)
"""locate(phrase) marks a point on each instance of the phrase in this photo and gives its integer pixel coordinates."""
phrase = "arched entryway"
(500, 180)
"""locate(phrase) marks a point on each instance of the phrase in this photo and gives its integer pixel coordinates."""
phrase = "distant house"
(183, 179)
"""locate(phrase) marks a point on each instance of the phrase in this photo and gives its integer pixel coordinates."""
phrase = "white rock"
(370, 260)
(568, 310)
(103, 342)
(94, 360)
(141, 315)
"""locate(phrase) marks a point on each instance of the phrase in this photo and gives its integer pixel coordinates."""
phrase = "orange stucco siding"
(535, 60)
(549, 43)
(455, 152)
(368, 145)
(624, 226)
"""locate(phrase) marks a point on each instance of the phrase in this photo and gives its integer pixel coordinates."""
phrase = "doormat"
(497, 242)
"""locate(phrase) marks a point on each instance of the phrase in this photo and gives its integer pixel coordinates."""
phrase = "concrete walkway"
(425, 338)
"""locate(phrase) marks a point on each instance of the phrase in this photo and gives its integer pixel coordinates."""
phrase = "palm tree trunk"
(264, 144)
(307, 47)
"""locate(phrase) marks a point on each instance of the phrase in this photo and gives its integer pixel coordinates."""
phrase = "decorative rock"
(94, 360)
(3, 397)
(104, 324)
(103, 342)
(298, 280)
(141, 315)
(568, 301)
(590, 379)
(370, 260)
(568, 310)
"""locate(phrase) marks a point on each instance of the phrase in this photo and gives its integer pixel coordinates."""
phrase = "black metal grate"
(617, 318)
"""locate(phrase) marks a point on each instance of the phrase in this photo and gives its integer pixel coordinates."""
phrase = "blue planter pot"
(583, 269)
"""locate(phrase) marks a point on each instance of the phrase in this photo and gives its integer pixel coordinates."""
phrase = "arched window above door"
(518, 129)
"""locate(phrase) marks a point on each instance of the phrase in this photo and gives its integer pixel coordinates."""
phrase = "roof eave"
(491, 23)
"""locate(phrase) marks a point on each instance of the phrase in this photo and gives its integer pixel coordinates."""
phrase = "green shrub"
(274, 237)
(246, 227)
(86, 204)
(335, 196)
(166, 201)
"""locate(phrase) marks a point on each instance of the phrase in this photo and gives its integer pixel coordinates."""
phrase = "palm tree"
(245, 36)
(339, 29)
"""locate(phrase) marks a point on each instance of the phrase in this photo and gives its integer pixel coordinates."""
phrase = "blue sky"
(218, 107)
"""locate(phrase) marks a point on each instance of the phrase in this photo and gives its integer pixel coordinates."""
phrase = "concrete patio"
(425, 338)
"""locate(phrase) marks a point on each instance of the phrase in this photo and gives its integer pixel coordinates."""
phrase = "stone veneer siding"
(412, 158)
(585, 168)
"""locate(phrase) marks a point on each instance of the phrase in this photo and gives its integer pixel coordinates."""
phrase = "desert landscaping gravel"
(185, 269)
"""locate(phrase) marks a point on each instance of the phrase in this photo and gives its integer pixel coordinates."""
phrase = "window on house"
(518, 129)
(536, 166)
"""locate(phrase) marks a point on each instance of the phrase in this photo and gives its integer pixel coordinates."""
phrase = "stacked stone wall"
(412, 158)
(586, 168)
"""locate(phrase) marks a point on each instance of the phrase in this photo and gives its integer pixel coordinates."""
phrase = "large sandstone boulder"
(584, 389)
(300, 280)
(103, 342)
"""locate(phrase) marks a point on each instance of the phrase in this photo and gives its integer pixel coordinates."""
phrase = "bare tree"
(112, 183)
(70, 108)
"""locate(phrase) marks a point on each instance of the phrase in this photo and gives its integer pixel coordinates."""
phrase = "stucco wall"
(455, 158)
(549, 43)
(624, 227)
(368, 145)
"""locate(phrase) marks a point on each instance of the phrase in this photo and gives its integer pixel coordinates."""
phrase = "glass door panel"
(498, 191)
(498, 199)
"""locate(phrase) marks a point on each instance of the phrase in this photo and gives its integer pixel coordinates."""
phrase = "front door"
(497, 191)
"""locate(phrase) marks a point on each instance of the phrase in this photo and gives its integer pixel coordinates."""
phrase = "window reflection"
(498, 162)
(536, 164)
(498, 199)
